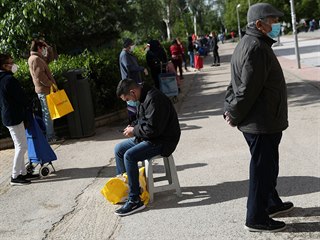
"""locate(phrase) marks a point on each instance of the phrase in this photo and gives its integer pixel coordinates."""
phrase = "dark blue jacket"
(13, 100)
(129, 67)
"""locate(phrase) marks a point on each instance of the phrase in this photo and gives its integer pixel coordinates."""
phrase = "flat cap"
(262, 10)
(127, 42)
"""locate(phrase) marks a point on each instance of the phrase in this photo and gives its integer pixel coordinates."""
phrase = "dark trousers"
(216, 57)
(264, 169)
(178, 64)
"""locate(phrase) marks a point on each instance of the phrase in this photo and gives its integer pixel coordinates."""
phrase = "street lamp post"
(293, 18)
(239, 30)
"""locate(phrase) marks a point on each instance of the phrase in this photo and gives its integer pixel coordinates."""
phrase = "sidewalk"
(212, 162)
(309, 49)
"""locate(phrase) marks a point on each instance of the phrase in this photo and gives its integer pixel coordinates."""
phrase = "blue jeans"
(264, 169)
(128, 153)
(191, 56)
(46, 116)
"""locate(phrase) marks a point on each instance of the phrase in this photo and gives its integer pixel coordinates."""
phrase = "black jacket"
(13, 100)
(190, 46)
(257, 97)
(157, 120)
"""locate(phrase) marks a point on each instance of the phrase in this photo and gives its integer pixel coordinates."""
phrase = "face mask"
(132, 48)
(132, 103)
(14, 68)
(275, 30)
(44, 52)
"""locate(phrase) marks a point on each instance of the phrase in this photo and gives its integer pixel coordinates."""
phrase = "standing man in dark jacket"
(256, 102)
(129, 66)
(156, 132)
(216, 57)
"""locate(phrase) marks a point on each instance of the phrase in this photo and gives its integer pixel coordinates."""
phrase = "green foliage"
(67, 24)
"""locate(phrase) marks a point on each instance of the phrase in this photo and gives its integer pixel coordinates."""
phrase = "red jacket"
(175, 51)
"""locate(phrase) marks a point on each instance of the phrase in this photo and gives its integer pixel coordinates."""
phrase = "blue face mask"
(276, 27)
(132, 103)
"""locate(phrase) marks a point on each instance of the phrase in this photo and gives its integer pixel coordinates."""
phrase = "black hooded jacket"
(157, 120)
(257, 97)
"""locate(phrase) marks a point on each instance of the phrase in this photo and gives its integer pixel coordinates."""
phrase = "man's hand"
(145, 72)
(128, 131)
(228, 119)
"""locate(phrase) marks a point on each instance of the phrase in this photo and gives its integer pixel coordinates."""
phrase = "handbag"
(58, 103)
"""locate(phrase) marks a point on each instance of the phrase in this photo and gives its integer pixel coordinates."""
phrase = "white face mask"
(132, 48)
(44, 52)
(14, 68)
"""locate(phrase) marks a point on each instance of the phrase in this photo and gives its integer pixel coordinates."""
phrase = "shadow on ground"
(227, 191)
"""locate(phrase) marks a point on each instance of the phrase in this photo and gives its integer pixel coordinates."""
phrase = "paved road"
(212, 162)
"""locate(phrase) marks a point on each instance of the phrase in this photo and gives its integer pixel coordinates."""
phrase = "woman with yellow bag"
(40, 56)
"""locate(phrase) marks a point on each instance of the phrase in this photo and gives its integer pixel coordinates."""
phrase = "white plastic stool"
(170, 175)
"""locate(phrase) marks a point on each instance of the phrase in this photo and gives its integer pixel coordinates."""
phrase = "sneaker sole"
(280, 212)
(263, 230)
(129, 213)
(19, 184)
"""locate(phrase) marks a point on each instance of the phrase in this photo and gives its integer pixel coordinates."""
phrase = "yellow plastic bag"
(144, 196)
(116, 190)
(58, 103)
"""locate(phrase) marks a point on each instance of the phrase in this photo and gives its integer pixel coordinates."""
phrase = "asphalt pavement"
(212, 161)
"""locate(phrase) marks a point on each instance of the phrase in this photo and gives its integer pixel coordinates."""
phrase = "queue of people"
(15, 107)
(248, 109)
(250, 104)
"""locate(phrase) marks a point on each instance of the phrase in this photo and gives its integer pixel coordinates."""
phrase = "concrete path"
(212, 161)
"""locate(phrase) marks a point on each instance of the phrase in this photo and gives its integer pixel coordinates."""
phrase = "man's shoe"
(130, 207)
(19, 181)
(31, 176)
(284, 208)
(270, 226)
(218, 64)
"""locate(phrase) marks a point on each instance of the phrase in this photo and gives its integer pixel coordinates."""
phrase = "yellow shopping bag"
(58, 103)
(116, 190)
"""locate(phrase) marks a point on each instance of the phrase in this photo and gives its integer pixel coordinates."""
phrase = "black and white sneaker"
(130, 207)
(31, 176)
(284, 208)
(19, 181)
(269, 226)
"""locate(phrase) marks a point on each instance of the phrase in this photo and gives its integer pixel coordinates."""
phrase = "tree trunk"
(167, 21)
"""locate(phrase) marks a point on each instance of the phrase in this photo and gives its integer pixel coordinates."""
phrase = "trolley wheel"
(44, 171)
(175, 99)
(29, 168)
